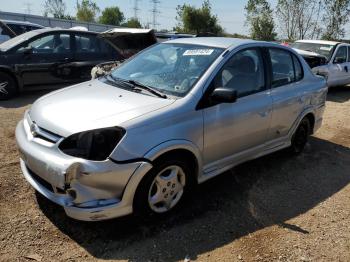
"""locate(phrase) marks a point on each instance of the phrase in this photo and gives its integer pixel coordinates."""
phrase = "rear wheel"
(8, 86)
(163, 189)
(300, 136)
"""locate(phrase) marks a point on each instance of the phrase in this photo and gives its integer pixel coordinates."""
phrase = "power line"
(28, 8)
(136, 8)
(155, 12)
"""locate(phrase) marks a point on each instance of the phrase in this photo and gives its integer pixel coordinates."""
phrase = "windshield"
(169, 68)
(17, 40)
(322, 49)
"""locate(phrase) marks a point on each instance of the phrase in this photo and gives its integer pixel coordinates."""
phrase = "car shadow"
(339, 94)
(267, 191)
(24, 99)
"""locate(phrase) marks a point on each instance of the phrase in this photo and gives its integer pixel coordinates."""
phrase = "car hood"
(91, 105)
(307, 53)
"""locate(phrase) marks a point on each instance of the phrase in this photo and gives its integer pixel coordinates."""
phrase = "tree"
(236, 35)
(336, 15)
(299, 19)
(112, 16)
(87, 10)
(56, 8)
(132, 23)
(197, 20)
(259, 16)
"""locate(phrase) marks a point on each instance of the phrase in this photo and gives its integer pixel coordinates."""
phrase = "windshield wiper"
(118, 81)
(132, 84)
(146, 87)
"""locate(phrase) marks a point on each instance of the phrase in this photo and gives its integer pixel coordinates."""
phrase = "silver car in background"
(327, 58)
(177, 114)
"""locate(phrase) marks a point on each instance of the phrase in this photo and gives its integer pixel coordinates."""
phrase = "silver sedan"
(177, 114)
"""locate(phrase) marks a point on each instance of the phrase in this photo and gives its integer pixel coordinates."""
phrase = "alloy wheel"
(3, 88)
(166, 189)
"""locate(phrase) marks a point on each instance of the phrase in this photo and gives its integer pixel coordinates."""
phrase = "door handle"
(66, 59)
(346, 68)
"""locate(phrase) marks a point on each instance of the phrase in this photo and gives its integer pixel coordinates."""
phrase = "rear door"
(286, 92)
(45, 60)
(89, 50)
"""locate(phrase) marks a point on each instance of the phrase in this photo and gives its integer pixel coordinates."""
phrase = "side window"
(50, 44)
(87, 44)
(299, 74)
(282, 67)
(341, 55)
(348, 53)
(243, 72)
(4, 35)
(18, 29)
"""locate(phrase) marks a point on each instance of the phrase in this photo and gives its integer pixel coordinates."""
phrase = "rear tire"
(8, 86)
(163, 189)
(300, 137)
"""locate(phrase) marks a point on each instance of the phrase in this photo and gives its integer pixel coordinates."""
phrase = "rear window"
(286, 67)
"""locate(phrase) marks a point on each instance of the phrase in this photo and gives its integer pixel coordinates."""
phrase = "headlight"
(95, 144)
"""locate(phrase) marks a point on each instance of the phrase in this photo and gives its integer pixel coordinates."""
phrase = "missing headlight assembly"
(95, 144)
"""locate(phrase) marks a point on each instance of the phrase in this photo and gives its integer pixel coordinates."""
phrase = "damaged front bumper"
(87, 190)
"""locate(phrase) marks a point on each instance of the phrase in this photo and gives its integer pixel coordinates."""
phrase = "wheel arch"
(311, 118)
(179, 148)
(310, 114)
(8, 71)
(166, 149)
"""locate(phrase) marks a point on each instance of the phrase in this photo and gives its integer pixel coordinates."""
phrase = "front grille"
(40, 132)
(40, 180)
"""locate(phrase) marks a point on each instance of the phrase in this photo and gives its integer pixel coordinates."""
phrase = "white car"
(328, 58)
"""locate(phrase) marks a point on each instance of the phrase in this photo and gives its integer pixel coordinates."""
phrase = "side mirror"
(339, 60)
(223, 95)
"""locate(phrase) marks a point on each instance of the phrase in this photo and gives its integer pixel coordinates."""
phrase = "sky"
(229, 12)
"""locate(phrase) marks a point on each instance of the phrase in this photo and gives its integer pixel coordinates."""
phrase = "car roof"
(221, 42)
(20, 23)
(128, 30)
(322, 42)
(48, 29)
(170, 34)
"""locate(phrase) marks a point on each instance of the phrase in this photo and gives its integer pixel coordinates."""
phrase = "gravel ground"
(276, 208)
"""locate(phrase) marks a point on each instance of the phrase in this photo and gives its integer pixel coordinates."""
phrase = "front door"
(233, 128)
(288, 98)
(45, 61)
(339, 67)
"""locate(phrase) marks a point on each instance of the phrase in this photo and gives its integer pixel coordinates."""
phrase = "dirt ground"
(276, 208)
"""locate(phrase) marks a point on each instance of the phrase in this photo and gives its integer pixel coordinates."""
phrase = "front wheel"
(8, 86)
(162, 189)
(300, 136)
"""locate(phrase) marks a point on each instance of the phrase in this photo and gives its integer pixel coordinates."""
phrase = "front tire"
(8, 86)
(300, 137)
(163, 189)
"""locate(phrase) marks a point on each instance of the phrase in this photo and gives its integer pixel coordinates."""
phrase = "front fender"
(171, 145)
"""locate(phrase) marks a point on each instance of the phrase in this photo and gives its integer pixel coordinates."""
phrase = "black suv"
(51, 58)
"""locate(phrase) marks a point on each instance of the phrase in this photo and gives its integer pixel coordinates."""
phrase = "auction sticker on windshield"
(198, 52)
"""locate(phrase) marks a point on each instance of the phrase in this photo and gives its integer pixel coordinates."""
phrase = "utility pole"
(136, 9)
(155, 12)
(28, 8)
